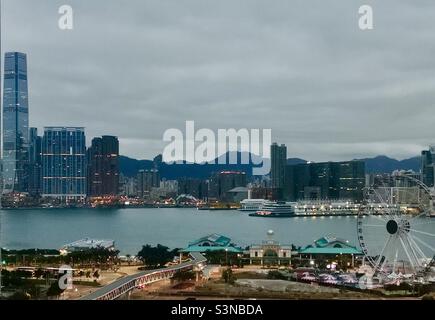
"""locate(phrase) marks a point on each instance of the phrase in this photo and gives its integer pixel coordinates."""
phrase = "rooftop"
(88, 243)
(239, 189)
(212, 242)
(217, 248)
(330, 245)
(311, 250)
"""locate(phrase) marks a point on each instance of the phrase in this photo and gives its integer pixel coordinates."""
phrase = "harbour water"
(173, 227)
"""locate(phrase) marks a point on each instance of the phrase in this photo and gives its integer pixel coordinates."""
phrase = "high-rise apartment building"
(146, 180)
(103, 167)
(64, 163)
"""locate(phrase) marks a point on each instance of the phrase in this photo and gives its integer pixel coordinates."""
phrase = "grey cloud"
(302, 68)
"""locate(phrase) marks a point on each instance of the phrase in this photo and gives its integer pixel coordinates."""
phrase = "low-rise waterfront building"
(270, 252)
(87, 244)
(329, 250)
(212, 242)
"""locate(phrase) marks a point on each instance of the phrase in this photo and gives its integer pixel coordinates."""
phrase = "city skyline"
(360, 84)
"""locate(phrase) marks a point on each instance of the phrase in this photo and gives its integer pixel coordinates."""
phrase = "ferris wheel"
(396, 231)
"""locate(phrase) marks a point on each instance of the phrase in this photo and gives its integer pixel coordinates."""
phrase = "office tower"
(35, 162)
(64, 163)
(146, 180)
(297, 178)
(325, 180)
(427, 167)
(15, 123)
(278, 156)
(348, 178)
(103, 167)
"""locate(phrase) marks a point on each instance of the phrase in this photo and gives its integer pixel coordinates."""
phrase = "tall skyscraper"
(278, 159)
(15, 123)
(35, 162)
(427, 167)
(103, 167)
(64, 163)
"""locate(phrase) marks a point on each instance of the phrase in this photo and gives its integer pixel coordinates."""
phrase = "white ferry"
(275, 209)
(251, 204)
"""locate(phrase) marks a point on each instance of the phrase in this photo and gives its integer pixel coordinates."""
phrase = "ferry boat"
(275, 209)
(251, 204)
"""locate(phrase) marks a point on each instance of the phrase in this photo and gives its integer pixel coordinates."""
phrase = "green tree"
(20, 295)
(183, 276)
(156, 256)
(39, 273)
(54, 290)
(93, 256)
(96, 274)
(276, 275)
(228, 276)
(222, 257)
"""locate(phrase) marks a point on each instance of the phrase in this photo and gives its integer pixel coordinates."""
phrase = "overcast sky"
(302, 68)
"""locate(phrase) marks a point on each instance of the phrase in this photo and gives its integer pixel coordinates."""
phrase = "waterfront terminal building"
(270, 252)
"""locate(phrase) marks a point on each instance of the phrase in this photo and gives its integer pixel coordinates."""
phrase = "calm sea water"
(173, 227)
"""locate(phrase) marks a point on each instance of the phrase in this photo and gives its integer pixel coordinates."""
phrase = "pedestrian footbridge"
(124, 285)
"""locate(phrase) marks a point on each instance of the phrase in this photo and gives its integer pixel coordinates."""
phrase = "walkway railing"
(124, 285)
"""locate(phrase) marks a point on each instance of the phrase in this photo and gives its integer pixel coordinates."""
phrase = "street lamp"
(226, 256)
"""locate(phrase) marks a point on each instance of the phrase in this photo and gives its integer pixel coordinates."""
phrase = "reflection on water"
(131, 228)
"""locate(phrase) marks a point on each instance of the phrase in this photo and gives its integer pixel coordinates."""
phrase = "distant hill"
(381, 164)
(293, 161)
(129, 167)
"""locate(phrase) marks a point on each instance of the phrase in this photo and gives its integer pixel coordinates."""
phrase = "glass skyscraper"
(15, 123)
(427, 166)
(278, 156)
(64, 163)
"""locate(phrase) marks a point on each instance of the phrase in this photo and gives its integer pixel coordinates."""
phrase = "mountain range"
(129, 166)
